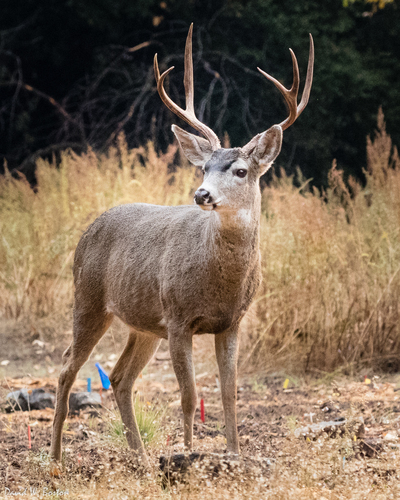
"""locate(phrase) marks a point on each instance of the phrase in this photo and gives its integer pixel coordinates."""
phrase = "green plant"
(291, 423)
(148, 418)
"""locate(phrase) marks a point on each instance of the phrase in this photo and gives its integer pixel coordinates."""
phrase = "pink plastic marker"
(29, 437)
(202, 414)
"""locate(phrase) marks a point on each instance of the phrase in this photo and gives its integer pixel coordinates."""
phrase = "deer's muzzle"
(203, 197)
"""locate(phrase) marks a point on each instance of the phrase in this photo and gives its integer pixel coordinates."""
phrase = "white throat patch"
(244, 214)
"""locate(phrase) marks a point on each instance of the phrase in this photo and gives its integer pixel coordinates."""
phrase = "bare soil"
(274, 464)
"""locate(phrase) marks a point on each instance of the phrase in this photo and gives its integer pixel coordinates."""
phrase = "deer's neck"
(235, 232)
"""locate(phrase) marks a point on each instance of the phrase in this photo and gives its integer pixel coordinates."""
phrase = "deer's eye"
(241, 173)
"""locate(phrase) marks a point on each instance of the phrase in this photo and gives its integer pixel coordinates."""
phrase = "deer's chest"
(211, 297)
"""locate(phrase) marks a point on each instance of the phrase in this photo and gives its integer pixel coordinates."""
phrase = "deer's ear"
(197, 150)
(265, 147)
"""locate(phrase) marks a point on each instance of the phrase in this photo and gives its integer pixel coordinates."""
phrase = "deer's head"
(231, 175)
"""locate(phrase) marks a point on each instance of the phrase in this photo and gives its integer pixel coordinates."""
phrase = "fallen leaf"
(55, 470)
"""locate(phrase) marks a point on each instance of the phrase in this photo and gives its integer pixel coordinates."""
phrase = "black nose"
(202, 196)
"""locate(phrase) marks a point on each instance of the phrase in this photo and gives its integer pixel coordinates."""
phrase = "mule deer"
(174, 272)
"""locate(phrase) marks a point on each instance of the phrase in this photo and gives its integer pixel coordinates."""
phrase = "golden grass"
(40, 230)
(331, 268)
(331, 260)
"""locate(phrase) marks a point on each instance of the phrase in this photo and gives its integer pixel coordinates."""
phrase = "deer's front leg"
(226, 348)
(180, 346)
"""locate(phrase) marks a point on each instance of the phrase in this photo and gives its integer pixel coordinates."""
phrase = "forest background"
(75, 73)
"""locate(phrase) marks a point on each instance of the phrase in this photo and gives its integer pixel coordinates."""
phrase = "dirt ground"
(278, 461)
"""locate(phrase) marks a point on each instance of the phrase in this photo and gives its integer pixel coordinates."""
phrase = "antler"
(188, 114)
(291, 95)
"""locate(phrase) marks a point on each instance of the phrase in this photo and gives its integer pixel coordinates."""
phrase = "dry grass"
(331, 261)
(331, 267)
(40, 230)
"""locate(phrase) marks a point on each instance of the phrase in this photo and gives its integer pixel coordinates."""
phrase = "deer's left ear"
(197, 150)
(265, 147)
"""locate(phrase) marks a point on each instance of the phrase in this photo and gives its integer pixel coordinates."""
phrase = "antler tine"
(188, 115)
(188, 78)
(309, 79)
(290, 96)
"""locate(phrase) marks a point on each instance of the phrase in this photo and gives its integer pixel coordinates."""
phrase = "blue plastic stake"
(89, 384)
(105, 381)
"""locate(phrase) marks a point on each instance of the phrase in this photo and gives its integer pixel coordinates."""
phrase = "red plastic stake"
(29, 437)
(202, 415)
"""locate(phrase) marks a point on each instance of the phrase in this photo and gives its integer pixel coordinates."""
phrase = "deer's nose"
(202, 196)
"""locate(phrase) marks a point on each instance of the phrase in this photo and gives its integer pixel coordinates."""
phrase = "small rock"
(371, 447)
(83, 400)
(24, 400)
(38, 342)
(5, 362)
(391, 436)
(326, 407)
(332, 428)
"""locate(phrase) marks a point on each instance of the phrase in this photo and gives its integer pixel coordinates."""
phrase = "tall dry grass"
(331, 261)
(40, 229)
(331, 267)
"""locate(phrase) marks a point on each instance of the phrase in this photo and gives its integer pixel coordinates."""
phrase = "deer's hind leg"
(88, 330)
(137, 353)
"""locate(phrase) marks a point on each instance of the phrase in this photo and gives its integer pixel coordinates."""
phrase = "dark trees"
(76, 72)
